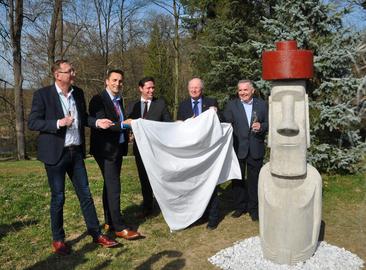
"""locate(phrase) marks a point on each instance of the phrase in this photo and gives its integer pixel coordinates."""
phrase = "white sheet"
(184, 162)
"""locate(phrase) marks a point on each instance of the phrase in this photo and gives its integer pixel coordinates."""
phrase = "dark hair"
(57, 64)
(119, 71)
(146, 79)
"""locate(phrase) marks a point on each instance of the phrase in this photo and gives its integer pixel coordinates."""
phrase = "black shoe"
(238, 213)
(212, 225)
(254, 216)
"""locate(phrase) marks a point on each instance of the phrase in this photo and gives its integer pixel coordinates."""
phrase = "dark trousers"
(146, 190)
(72, 163)
(111, 170)
(212, 210)
(245, 191)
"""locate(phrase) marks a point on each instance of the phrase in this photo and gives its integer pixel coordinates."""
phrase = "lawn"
(25, 230)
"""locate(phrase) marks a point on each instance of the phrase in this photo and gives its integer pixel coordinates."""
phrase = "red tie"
(145, 110)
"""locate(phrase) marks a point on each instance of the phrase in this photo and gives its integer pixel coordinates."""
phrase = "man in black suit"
(151, 108)
(59, 114)
(108, 146)
(192, 107)
(249, 117)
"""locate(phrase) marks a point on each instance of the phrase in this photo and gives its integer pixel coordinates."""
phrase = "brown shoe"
(128, 234)
(105, 241)
(59, 247)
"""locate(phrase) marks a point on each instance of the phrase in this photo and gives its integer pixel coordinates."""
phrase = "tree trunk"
(176, 59)
(16, 25)
(52, 36)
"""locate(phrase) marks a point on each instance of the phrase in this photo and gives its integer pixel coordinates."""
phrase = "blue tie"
(195, 108)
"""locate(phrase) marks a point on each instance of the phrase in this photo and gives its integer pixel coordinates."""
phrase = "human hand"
(256, 126)
(127, 122)
(104, 123)
(66, 121)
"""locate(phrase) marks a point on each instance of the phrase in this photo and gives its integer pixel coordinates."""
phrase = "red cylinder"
(287, 62)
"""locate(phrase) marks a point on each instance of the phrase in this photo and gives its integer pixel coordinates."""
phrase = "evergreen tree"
(335, 140)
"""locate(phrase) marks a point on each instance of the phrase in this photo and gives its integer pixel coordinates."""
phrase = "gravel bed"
(247, 254)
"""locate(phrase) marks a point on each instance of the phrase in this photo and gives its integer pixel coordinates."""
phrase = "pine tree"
(335, 140)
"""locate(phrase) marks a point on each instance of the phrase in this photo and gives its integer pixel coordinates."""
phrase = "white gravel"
(247, 254)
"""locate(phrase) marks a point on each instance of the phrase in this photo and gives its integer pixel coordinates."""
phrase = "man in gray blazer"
(249, 117)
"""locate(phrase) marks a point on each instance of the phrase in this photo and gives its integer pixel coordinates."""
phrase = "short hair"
(119, 71)
(57, 64)
(145, 80)
(196, 78)
(246, 81)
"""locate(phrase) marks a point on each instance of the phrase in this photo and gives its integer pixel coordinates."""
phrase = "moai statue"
(289, 189)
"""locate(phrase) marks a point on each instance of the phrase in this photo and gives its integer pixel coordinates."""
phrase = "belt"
(72, 148)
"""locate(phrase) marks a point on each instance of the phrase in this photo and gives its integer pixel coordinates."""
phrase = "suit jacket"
(158, 110)
(105, 142)
(185, 110)
(46, 110)
(245, 140)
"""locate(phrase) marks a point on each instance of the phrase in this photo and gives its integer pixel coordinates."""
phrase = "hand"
(127, 122)
(256, 126)
(66, 121)
(104, 123)
(131, 137)
(214, 108)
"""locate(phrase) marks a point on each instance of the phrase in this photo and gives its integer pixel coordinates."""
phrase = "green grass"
(25, 227)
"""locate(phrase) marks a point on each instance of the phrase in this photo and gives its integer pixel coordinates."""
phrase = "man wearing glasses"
(59, 114)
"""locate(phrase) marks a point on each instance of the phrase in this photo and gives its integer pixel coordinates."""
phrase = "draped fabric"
(185, 161)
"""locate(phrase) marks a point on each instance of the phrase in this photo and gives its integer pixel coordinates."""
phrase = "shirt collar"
(199, 100)
(59, 91)
(250, 102)
(145, 100)
(113, 98)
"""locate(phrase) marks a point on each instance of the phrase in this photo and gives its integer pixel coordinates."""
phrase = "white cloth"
(185, 161)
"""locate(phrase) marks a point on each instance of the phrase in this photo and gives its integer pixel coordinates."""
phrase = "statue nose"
(287, 126)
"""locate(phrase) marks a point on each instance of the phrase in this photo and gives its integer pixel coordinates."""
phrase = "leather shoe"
(105, 241)
(128, 234)
(254, 216)
(238, 213)
(212, 225)
(59, 247)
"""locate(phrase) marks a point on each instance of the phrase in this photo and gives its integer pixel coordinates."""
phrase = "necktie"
(195, 108)
(145, 110)
(116, 107)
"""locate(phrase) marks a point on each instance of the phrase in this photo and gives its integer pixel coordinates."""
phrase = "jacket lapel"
(241, 110)
(109, 104)
(56, 98)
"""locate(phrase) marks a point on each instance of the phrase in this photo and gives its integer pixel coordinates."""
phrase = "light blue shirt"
(116, 104)
(199, 105)
(69, 108)
(248, 107)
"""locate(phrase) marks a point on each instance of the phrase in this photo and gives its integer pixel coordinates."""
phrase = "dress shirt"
(248, 107)
(116, 103)
(69, 108)
(143, 105)
(199, 105)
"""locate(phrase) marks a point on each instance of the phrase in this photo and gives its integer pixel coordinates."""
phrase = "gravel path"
(247, 254)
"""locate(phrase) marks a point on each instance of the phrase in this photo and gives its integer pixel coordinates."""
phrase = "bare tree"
(174, 10)
(15, 17)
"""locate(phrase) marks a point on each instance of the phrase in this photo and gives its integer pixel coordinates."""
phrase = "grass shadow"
(176, 264)
(76, 258)
(16, 226)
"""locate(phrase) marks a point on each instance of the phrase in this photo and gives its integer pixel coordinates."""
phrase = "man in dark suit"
(108, 146)
(151, 108)
(249, 117)
(59, 114)
(192, 107)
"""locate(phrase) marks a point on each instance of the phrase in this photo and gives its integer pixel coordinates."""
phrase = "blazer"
(246, 141)
(185, 110)
(158, 110)
(46, 110)
(105, 142)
